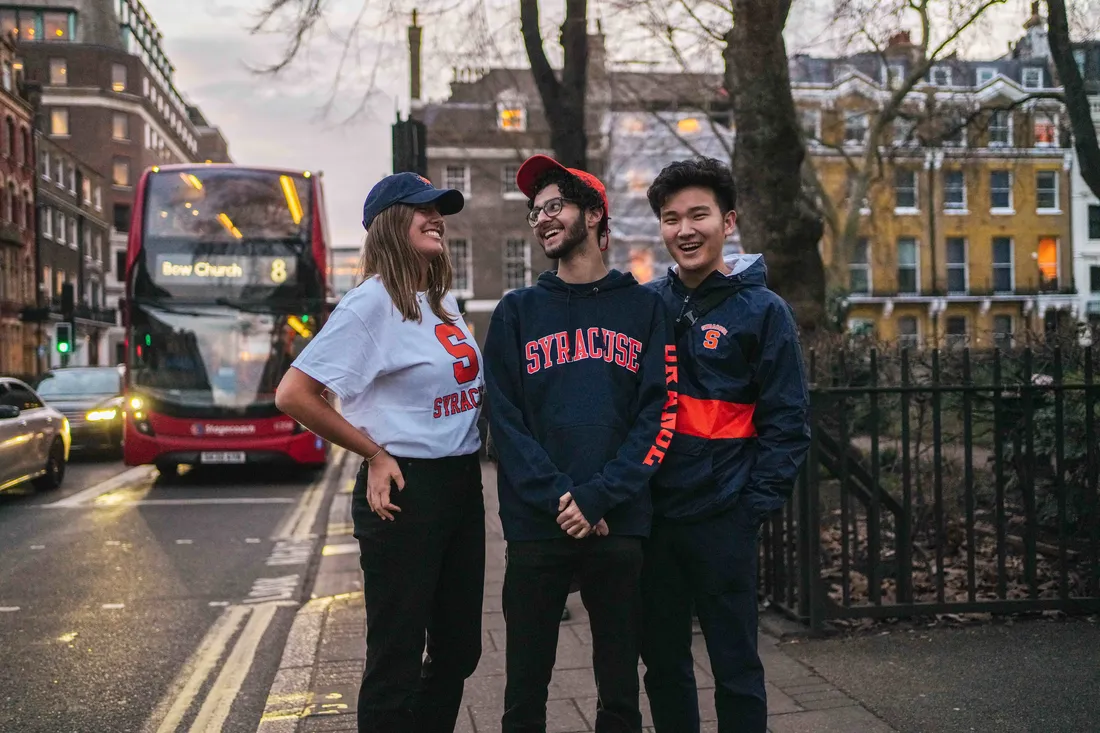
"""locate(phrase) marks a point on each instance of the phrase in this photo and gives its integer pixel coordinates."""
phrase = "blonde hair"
(388, 253)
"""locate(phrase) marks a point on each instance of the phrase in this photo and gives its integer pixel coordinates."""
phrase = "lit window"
(688, 126)
(956, 265)
(59, 121)
(1046, 191)
(1046, 131)
(118, 77)
(1048, 263)
(512, 117)
(120, 172)
(55, 27)
(120, 126)
(908, 265)
(859, 268)
(86, 190)
(59, 72)
(905, 189)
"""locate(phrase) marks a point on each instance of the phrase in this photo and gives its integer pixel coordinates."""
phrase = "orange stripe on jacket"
(714, 418)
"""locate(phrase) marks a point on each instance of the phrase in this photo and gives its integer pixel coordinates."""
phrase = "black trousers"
(536, 585)
(711, 565)
(424, 577)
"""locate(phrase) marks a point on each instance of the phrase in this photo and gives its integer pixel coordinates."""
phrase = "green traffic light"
(63, 347)
(305, 319)
(148, 340)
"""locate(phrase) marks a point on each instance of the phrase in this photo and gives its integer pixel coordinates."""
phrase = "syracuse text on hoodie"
(581, 383)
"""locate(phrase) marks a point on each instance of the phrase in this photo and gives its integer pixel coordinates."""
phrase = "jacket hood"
(613, 280)
(745, 270)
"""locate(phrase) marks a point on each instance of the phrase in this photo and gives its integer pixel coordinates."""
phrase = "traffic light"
(63, 337)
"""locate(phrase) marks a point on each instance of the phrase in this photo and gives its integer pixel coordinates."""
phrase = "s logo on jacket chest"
(711, 334)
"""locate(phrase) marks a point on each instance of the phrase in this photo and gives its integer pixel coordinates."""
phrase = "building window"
(895, 75)
(59, 171)
(120, 126)
(517, 264)
(904, 131)
(1002, 265)
(9, 77)
(908, 333)
(86, 190)
(908, 266)
(512, 116)
(954, 130)
(956, 265)
(122, 218)
(508, 181)
(120, 171)
(1046, 191)
(1094, 221)
(462, 265)
(956, 332)
(74, 240)
(59, 121)
(457, 177)
(865, 204)
(120, 265)
(855, 129)
(62, 227)
(811, 124)
(47, 280)
(1000, 129)
(9, 137)
(1046, 130)
(44, 164)
(985, 75)
(1094, 279)
(59, 73)
(954, 191)
(1002, 332)
(55, 27)
(1000, 190)
(1048, 264)
(859, 267)
(941, 76)
(118, 77)
(1032, 78)
(72, 177)
(905, 189)
(47, 222)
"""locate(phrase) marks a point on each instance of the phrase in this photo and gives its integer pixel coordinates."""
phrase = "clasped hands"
(573, 522)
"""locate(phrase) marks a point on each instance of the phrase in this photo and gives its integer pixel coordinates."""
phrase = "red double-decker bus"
(226, 284)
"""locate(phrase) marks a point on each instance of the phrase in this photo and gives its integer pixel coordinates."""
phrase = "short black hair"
(575, 190)
(702, 172)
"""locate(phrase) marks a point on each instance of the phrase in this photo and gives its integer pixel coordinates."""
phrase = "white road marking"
(175, 704)
(252, 541)
(38, 547)
(290, 552)
(215, 710)
(299, 523)
(265, 590)
(113, 606)
(8, 609)
(196, 502)
(112, 543)
(124, 480)
(218, 604)
(345, 548)
(185, 542)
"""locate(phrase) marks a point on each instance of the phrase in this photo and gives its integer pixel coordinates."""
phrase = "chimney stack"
(415, 33)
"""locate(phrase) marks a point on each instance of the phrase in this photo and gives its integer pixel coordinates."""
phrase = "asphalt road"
(131, 603)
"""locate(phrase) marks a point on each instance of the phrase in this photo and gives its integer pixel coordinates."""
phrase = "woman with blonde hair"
(407, 371)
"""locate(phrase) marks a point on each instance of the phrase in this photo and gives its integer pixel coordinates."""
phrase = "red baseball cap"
(536, 165)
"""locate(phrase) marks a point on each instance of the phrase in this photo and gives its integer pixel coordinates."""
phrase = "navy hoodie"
(741, 424)
(578, 391)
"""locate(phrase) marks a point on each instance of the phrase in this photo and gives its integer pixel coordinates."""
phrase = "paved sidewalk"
(316, 686)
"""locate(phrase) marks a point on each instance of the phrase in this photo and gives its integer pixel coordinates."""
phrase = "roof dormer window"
(511, 112)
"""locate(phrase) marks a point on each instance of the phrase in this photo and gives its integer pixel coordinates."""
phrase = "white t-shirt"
(414, 388)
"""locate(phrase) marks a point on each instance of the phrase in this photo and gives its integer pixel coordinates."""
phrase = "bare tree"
(1076, 96)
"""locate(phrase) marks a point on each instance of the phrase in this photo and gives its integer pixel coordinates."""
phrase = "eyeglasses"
(552, 208)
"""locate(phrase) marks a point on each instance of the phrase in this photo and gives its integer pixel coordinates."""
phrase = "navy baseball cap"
(409, 188)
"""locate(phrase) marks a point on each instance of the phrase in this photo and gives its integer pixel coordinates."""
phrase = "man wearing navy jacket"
(579, 370)
(741, 436)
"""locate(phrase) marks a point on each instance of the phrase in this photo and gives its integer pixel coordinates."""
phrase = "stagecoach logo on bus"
(222, 431)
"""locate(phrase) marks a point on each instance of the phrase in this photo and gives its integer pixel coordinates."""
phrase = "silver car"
(34, 438)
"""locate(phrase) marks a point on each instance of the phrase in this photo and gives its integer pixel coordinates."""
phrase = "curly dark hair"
(575, 190)
(701, 172)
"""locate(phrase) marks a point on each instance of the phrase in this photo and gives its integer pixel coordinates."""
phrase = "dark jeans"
(711, 564)
(536, 585)
(424, 576)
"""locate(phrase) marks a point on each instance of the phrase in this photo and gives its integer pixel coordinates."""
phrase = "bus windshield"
(214, 357)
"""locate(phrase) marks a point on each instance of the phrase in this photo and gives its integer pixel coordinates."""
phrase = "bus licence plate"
(222, 457)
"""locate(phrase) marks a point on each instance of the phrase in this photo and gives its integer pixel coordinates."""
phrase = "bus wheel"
(169, 471)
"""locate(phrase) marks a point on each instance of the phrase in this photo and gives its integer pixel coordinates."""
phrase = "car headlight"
(97, 415)
(136, 403)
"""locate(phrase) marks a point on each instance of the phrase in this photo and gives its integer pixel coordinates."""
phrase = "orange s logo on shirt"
(454, 341)
(710, 339)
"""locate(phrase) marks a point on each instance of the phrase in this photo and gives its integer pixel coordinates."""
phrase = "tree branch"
(547, 83)
(1076, 98)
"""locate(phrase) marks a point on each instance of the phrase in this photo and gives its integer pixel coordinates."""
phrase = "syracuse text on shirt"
(466, 367)
(592, 343)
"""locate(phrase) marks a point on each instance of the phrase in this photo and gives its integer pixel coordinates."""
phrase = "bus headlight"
(136, 403)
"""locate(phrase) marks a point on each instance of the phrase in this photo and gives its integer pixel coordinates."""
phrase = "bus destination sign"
(224, 269)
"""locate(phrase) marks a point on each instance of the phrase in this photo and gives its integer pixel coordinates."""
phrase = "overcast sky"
(281, 120)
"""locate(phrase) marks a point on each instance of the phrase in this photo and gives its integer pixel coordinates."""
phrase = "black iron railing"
(943, 482)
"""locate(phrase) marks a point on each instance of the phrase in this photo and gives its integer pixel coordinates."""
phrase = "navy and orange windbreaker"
(741, 425)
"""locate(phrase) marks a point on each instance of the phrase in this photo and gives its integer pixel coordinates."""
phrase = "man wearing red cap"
(579, 370)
